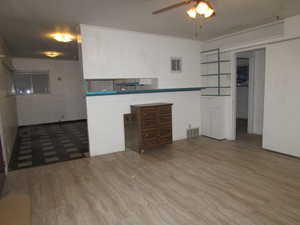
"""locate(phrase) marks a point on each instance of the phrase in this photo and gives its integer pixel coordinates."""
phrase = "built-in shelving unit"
(216, 73)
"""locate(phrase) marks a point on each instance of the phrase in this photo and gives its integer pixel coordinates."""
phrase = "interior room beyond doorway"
(250, 82)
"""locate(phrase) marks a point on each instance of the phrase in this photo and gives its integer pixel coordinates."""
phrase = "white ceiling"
(24, 23)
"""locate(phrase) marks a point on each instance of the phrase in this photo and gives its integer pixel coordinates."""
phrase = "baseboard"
(53, 123)
(280, 153)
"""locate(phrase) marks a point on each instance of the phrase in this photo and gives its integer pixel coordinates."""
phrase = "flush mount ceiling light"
(79, 40)
(63, 37)
(203, 8)
(52, 54)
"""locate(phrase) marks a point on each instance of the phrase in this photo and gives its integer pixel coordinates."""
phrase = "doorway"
(242, 88)
(51, 105)
(250, 85)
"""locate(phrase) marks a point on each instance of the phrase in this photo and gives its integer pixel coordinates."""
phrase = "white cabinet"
(213, 117)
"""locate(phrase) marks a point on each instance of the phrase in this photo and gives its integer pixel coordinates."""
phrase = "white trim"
(251, 105)
(258, 45)
(245, 31)
(233, 94)
(138, 32)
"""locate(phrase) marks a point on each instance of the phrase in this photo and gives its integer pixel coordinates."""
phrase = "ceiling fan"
(203, 8)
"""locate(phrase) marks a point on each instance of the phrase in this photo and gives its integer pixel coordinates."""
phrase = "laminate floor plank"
(196, 182)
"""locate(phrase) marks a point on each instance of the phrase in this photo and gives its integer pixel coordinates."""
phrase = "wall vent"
(192, 133)
(176, 65)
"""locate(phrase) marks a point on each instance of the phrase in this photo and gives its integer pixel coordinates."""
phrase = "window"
(27, 83)
(176, 65)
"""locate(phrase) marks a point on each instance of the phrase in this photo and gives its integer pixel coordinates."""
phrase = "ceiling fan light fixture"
(192, 12)
(209, 13)
(202, 7)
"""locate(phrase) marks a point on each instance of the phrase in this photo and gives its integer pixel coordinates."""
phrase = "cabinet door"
(165, 131)
(165, 135)
(213, 119)
(216, 123)
(165, 115)
(149, 118)
(150, 138)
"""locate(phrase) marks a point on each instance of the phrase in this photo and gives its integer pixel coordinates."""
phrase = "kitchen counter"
(101, 93)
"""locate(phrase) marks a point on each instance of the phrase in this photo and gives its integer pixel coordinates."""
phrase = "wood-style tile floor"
(190, 182)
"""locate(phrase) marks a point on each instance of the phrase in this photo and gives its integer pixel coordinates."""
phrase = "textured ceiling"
(24, 23)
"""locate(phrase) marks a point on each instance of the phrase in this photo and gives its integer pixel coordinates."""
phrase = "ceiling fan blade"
(172, 6)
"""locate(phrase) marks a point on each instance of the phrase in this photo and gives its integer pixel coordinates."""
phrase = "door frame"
(251, 104)
(234, 88)
(2, 167)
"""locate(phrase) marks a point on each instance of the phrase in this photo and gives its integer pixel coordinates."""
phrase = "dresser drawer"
(166, 109)
(165, 131)
(163, 119)
(150, 142)
(149, 134)
(165, 140)
(148, 114)
(148, 124)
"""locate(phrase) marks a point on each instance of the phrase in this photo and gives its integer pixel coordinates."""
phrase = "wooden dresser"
(151, 126)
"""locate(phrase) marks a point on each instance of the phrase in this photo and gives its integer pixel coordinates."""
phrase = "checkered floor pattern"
(51, 143)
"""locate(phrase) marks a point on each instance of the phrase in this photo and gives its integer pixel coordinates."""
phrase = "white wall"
(281, 125)
(282, 104)
(66, 100)
(111, 53)
(105, 117)
(291, 26)
(8, 114)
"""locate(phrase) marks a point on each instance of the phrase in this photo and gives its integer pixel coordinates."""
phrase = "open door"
(2, 168)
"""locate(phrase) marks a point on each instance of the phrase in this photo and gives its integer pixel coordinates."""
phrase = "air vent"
(176, 64)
